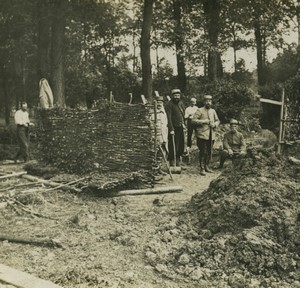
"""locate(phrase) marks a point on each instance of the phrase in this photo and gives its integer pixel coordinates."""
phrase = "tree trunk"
(212, 12)
(5, 94)
(298, 46)
(44, 25)
(234, 49)
(259, 54)
(179, 41)
(145, 49)
(57, 55)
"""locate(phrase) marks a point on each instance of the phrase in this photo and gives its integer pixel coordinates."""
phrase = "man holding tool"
(175, 113)
(206, 121)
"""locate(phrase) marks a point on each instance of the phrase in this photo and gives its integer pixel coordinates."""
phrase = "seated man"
(234, 145)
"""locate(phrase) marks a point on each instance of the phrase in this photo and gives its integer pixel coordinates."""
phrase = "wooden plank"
(22, 279)
(270, 101)
(13, 175)
(158, 190)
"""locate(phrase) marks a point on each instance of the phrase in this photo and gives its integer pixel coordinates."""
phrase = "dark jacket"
(175, 114)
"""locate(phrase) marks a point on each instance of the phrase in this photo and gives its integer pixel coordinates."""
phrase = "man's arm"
(168, 109)
(196, 119)
(243, 144)
(226, 145)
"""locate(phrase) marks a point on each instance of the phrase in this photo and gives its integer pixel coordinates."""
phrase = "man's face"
(207, 103)
(160, 105)
(233, 127)
(24, 106)
(193, 102)
(176, 97)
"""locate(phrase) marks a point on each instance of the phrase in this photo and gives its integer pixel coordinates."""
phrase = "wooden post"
(155, 129)
(111, 97)
(282, 125)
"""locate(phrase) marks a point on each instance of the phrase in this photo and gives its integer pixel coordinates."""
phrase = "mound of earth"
(244, 230)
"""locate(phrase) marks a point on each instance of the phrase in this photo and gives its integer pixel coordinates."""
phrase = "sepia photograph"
(150, 143)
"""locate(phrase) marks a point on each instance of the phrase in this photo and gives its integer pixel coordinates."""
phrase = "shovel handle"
(174, 149)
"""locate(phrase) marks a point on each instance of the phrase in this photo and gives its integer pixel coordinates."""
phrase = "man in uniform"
(175, 113)
(234, 145)
(206, 121)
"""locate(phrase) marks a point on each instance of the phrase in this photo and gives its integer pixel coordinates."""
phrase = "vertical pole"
(155, 129)
(281, 127)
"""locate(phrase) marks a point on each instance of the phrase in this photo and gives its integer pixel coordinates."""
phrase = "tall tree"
(145, 49)
(59, 14)
(212, 9)
(179, 44)
(44, 25)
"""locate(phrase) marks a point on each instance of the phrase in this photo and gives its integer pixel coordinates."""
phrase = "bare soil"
(103, 240)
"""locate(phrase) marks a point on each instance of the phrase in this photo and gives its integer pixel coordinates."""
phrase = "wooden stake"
(158, 190)
(13, 175)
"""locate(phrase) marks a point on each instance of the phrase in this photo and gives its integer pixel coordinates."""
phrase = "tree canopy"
(89, 49)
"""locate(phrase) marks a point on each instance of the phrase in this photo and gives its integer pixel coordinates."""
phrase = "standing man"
(175, 113)
(188, 116)
(234, 145)
(23, 123)
(206, 121)
(162, 123)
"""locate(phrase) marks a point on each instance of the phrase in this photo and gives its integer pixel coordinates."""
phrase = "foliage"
(283, 67)
(229, 98)
(292, 88)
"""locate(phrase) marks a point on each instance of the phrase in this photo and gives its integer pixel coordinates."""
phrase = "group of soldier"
(174, 118)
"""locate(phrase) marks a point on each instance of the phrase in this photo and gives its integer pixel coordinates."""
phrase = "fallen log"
(157, 190)
(51, 183)
(23, 208)
(22, 279)
(294, 160)
(46, 243)
(67, 184)
(13, 175)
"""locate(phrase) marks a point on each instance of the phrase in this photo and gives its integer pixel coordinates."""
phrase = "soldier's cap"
(233, 122)
(207, 97)
(160, 98)
(176, 91)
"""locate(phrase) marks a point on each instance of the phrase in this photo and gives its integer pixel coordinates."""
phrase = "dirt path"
(104, 239)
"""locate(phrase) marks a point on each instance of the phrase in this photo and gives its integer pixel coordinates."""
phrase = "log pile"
(115, 137)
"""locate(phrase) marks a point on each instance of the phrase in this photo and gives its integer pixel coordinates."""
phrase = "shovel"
(174, 169)
(166, 161)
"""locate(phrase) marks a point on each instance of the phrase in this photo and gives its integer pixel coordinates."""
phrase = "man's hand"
(172, 133)
(212, 125)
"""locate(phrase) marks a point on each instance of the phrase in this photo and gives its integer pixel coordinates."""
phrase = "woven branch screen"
(115, 137)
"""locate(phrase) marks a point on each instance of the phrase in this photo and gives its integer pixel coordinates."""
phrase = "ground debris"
(246, 224)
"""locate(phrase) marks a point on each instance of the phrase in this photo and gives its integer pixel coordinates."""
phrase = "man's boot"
(202, 171)
(206, 162)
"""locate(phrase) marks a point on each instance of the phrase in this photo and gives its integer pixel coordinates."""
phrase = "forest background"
(88, 49)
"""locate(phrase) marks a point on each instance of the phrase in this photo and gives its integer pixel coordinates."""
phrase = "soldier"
(175, 113)
(234, 145)
(206, 121)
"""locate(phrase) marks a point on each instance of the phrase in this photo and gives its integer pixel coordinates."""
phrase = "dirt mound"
(244, 230)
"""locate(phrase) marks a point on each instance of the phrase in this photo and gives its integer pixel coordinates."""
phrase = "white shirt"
(190, 111)
(22, 118)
